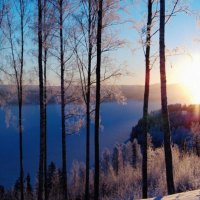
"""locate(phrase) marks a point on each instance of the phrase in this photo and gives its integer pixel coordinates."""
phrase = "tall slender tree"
(165, 115)
(152, 15)
(98, 99)
(146, 100)
(17, 60)
(45, 50)
(20, 96)
(62, 90)
(41, 94)
(85, 53)
(88, 100)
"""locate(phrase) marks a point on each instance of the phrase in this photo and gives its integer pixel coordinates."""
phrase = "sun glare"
(190, 70)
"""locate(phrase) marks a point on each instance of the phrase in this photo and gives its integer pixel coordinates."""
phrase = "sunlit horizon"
(190, 76)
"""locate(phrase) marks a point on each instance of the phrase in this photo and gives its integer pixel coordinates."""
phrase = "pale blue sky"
(181, 32)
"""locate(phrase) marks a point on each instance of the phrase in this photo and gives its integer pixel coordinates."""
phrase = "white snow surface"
(190, 195)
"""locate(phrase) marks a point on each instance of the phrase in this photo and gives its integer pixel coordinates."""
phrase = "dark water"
(117, 121)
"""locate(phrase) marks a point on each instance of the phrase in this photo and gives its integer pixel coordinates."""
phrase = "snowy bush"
(121, 175)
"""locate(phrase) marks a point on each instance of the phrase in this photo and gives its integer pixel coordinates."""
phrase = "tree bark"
(98, 97)
(20, 93)
(45, 128)
(41, 88)
(165, 115)
(146, 102)
(21, 149)
(62, 68)
(45, 102)
(18, 75)
(87, 192)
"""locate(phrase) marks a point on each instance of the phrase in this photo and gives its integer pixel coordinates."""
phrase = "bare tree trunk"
(146, 101)
(45, 127)
(62, 67)
(165, 116)
(45, 102)
(20, 93)
(21, 148)
(98, 97)
(18, 74)
(87, 192)
(41, 90)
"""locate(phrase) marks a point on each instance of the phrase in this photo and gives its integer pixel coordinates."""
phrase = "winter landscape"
(99, 99)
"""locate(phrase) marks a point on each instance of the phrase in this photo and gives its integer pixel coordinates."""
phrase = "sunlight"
(190, 77)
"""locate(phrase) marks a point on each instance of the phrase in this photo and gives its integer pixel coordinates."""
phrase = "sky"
(182, 33)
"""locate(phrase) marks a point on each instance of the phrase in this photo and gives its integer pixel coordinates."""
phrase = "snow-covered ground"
(191, 195)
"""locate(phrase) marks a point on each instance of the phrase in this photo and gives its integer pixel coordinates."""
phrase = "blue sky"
(181, 32)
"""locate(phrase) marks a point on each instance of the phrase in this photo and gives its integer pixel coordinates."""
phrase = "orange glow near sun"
(190, 77)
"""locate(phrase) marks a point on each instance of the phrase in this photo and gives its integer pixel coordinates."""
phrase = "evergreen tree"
(29, 190)
(56, 190)
(117, 159)
(106, 161)
(128, 153)
(50, 173)
(16, 190)
(2, 192)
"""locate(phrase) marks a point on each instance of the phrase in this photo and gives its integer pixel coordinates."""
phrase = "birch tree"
(165, 115)
(151, 30)
(42, 108)
(98, 98)
(146, 99)
(15, 38)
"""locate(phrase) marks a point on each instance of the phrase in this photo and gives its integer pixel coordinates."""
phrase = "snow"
(190, 195)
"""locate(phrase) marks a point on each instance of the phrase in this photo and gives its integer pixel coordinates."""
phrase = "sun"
(190, 75)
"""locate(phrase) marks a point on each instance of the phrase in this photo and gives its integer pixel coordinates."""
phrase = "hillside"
(183, 119)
